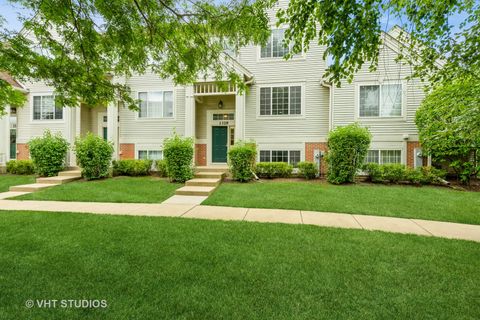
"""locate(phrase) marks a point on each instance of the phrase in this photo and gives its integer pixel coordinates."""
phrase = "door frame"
(101, 124)
(220, 123)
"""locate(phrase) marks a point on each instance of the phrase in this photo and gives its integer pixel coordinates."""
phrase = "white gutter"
(330, 102)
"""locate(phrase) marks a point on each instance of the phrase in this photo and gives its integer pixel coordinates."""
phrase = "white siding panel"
(152, 131)
(346, 99)
(27, 128)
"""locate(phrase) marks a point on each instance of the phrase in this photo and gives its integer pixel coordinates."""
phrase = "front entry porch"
(100, 120)
(218, 123)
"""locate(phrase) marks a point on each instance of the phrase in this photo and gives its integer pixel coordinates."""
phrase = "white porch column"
(189, 112)
(112, 127)
(240, 116)
(73, 125)
(5, 137)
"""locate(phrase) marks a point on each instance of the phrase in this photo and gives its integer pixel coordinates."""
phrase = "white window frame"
(282, 116)
(43, 94)
(379, 150)
(147, 147)
(148, 152)
(380, 83)
(137, 96)
(279, 149)
(299, 56)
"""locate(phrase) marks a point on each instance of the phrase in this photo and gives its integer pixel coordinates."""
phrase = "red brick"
(200, 154)
(411, 146)
(310, 148)
(127, 151)
(22, 151)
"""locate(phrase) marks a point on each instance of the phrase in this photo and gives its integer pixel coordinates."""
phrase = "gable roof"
(5, 76)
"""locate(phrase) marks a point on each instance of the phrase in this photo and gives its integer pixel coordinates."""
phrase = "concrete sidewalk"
(324, 219)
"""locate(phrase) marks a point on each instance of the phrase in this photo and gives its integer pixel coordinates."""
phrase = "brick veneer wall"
(309, 153)
(411, 145)
(200, 154)
(22, 151)
(127, 151)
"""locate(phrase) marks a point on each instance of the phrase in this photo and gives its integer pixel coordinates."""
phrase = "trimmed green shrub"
(48, 153)
(374, 172)
(241, 159)
(272, 170)
(20, 167)
(432, 175)
(94, 156)
(178, 154)
(161, 168)
(132, 167)
(394, 173)
(308, 170)
(347, 149)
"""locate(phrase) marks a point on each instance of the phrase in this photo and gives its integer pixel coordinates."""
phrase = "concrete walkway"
(325, 219)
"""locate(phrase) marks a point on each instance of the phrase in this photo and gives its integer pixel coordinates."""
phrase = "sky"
(11, 11)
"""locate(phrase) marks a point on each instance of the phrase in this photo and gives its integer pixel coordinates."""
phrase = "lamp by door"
(220, 104)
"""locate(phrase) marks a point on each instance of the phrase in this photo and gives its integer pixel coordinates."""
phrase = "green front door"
(219, 144)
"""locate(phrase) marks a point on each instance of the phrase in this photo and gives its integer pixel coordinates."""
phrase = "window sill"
(39, 121)
(277, 117)
(155, 119)
(281, 59)
(381, 118)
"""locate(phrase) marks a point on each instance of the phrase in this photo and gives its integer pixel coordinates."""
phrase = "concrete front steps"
(42, 183)
(206, 180)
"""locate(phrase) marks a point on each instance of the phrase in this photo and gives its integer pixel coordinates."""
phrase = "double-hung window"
(288, 156)
(380, 100)
(282, 100)
(275, 47)
(150, 154)
(384, 156)
(46, 108)
(157, 104)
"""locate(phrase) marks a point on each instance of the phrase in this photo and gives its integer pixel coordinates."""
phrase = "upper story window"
(45, 108)
(275, 47)
(282, 100)
(380, 100)
(157, 104)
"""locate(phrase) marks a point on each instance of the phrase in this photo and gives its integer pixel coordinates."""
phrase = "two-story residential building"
(288, 110)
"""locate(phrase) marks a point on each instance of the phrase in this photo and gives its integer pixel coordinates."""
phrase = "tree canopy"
(81, 44)
(352, 33)
(449, 126)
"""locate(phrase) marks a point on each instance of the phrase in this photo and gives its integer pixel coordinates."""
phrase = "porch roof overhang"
(208, 86)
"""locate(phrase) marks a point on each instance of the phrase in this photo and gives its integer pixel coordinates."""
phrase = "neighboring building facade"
(288, 110)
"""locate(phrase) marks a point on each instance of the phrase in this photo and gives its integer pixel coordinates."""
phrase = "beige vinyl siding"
(307, 69)
(345, 110)
(89, 119)
(27, 128)
(151, 131)
(86, 121)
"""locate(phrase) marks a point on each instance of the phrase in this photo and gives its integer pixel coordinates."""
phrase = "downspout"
(330, 103)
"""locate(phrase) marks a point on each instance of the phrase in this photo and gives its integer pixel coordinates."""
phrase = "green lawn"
(8, 180)
(119, 189)
(431, 203)
(167, 268)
